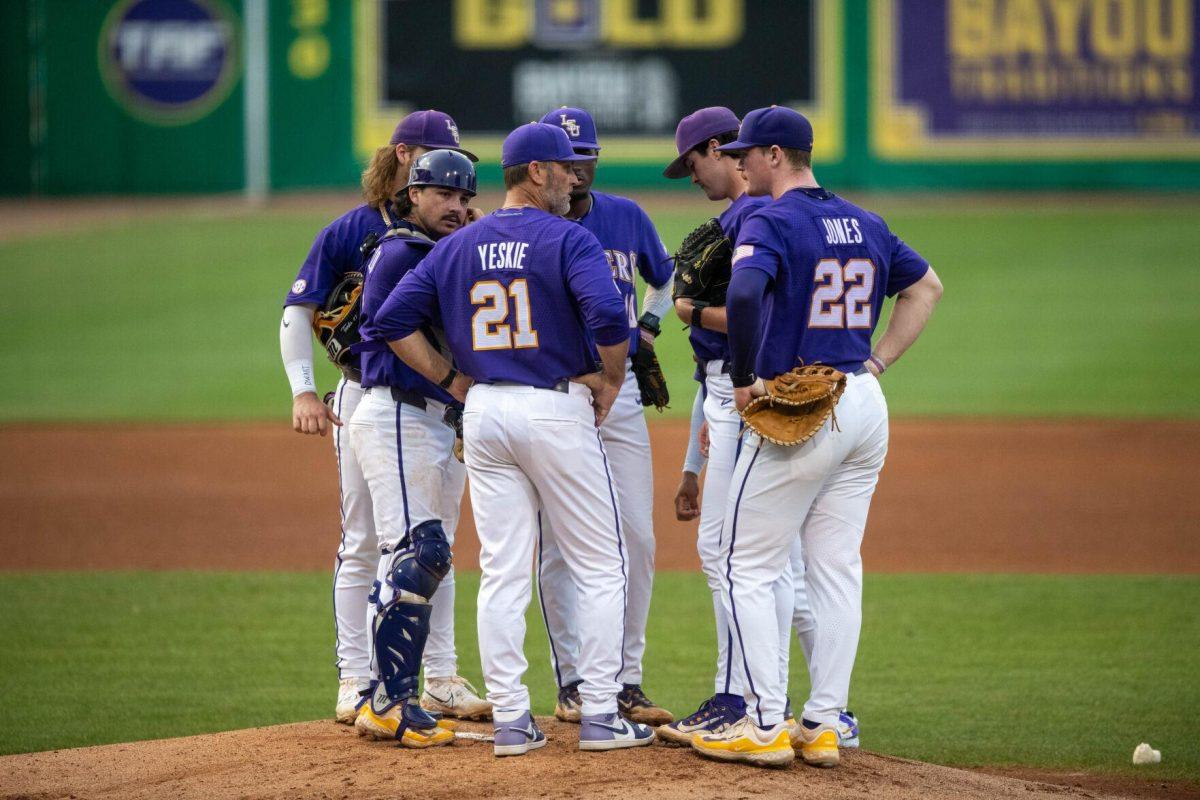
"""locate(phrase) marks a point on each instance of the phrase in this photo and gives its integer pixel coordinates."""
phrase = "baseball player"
(404, 447)
(336, 251)
(527, 300)
(633, 247)
(810, 274)
(696, 138)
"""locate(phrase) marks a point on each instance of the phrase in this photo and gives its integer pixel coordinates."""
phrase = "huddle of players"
(507, 318)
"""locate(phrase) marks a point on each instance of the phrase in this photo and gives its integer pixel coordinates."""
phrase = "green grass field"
(170, 319)
(1065, 672)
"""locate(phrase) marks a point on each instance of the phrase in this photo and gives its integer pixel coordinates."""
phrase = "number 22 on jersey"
(491, 328)
(841, 295)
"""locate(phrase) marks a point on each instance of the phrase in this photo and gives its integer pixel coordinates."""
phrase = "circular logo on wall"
(169, 62)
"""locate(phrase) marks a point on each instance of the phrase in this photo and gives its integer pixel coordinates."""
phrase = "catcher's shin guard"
(402, 620)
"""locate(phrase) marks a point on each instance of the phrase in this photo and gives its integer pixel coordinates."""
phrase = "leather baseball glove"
(703, 265)
(796, 404)
(652, 384)
(336, 325)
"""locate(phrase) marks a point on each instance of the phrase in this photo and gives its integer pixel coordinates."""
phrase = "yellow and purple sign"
(1035, 79)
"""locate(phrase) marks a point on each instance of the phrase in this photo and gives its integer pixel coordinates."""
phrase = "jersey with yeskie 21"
(521, 295)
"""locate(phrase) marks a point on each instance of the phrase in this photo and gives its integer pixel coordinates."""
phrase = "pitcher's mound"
(323, 759)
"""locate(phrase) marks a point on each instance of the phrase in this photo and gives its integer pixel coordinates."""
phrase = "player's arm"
(712, 318)
(309, 414)
(410, 305)
(687, 496)
(656, 267)
(914, 307)
(589, 279)
(756, 261)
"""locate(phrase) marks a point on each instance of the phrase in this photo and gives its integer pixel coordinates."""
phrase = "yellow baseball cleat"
(818, 746)
(403, 724)
(745, 741)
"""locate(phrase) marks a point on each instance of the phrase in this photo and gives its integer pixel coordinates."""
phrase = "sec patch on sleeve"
(742, 251)
(299, 286)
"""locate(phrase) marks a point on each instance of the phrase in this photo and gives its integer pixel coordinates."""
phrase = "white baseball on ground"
(1145, 754)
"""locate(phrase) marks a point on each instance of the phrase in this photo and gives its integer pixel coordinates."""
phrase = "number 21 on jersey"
(491, 328)
(841, 295)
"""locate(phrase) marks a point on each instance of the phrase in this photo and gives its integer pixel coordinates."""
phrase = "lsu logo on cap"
(742, 251)
(570, 126)
(453, 131)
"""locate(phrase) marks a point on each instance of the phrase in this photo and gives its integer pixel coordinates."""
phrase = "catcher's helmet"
(444, 168)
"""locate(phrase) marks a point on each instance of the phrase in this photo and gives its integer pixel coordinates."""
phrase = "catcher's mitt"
(336, 325)
(703, 265)
(652, 385)
(796, 404)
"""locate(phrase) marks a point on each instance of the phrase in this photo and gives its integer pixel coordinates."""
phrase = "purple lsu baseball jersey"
(632, 245)
(520, 296)
(830, 265)
(709, 345)
(392, 260)
(334, 252)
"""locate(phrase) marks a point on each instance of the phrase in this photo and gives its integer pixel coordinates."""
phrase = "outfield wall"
(148, 96)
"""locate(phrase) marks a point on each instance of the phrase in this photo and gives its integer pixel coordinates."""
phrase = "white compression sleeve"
(658, 301)
(295, 345)
(693, 461)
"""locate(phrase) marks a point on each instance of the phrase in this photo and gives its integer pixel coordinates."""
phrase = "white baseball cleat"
(454, 697)
(612, 732)
(349, 699)
(847, 729)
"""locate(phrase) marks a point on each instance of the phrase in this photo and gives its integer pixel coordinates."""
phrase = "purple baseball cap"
(579, 125)
(697, 128)
(538, 141)
(764, 127)
(433, 129)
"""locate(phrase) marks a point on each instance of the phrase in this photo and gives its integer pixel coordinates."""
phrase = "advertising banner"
(638, 67)
(1035, 79)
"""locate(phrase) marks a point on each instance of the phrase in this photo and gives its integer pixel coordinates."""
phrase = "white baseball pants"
(724, 443)
(358, 554)
(827, 482)
(627, 442)
(405, 454)
(527, 449)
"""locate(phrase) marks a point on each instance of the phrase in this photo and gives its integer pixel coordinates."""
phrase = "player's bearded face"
(440, 211)
(561, 180)
(709, 174)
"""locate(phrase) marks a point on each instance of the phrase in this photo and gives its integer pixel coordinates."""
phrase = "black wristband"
(651, 323)
(698, 307)
(449, 379)
(742, 381)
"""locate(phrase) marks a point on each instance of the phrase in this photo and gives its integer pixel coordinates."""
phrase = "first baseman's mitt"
(703, 265)
(796, 404)
(336, 325)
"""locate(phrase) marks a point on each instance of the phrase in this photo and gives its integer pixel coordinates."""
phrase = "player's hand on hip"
(604, 393)
(459, 387)
(704, 440)
(687, 498)
(311, 416)
(742, 395)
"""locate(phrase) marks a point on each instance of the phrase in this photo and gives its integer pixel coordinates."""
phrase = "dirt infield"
(1086, 496)
(1022, 496)
(322, 759)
